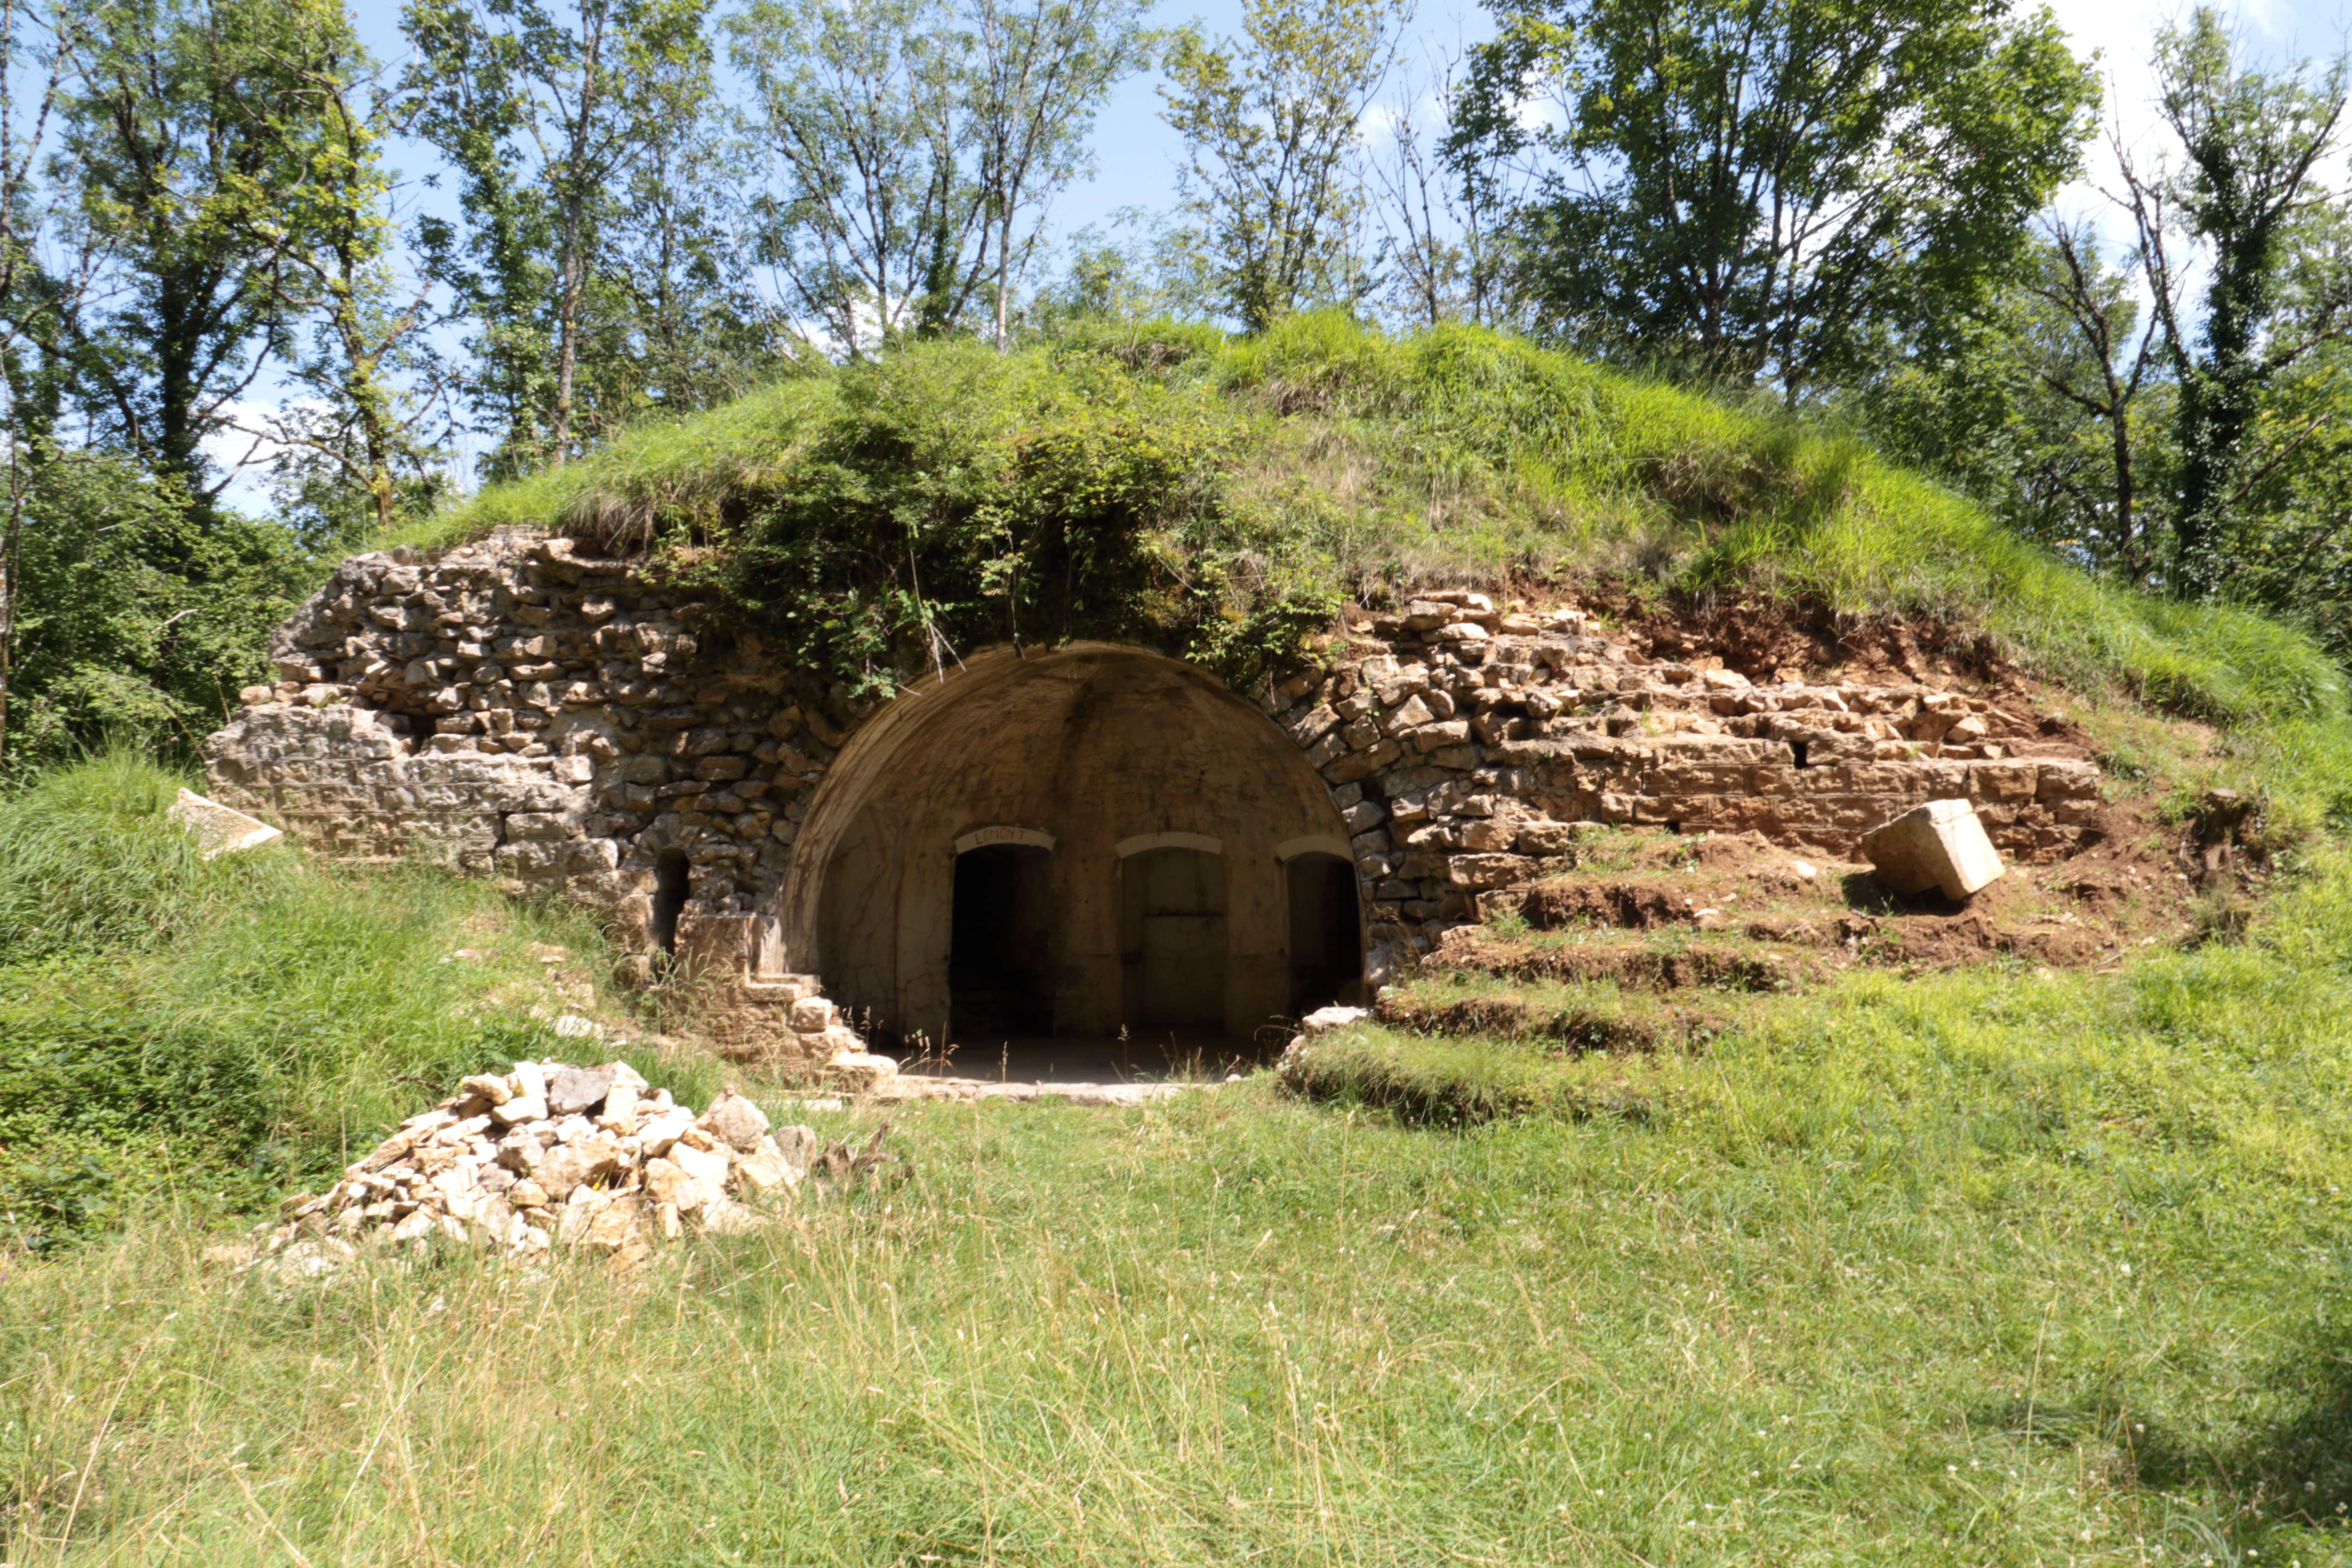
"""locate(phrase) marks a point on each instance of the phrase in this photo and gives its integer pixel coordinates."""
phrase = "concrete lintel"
(1143, 841)
(1312, 844)
(978, 837)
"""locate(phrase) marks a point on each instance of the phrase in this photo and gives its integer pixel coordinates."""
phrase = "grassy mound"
(1220, 496)
(1970, 1268)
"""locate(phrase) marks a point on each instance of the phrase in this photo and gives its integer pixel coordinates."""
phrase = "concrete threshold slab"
(915, 1085)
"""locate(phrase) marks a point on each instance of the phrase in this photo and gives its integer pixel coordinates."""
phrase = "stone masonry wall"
(566, 723)
(1466, 745)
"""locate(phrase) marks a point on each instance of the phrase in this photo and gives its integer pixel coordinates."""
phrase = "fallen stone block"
(1941, 844)
(1323, 1020)
(219, 829)
(575, 1090)
(860, 1071)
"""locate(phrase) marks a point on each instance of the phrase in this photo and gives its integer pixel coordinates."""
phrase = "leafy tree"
(2249, 146)
(1440, 242)
(193, 140)
(1270, 122)
(679, 323)
(36, 46)
(1155, 273)
(1761, 190)
(2047, 405)
(543, 114)
(141, 615)
(354, 438)
(873, 215)
(1041, 70)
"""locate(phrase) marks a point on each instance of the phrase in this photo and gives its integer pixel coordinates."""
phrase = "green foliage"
(201, 161)
(595, 282)
(2174, 418)
(1270, 123)
(1767, 190)
(1953, 1269)
(135, 616)
(219, 1028)
(88, 862)
(1219, 496)
(2249, 143)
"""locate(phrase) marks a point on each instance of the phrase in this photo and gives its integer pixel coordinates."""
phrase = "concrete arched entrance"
(1108, 834)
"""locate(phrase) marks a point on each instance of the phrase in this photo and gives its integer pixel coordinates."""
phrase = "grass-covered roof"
(1221, 497)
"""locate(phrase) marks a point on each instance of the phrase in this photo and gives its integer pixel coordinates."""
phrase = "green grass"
(1956, 1270)
(1948, 1275)
(1962, 1270)
(1225, 492)
(234, 1023)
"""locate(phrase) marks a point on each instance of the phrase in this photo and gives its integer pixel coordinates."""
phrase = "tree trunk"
(572, 265)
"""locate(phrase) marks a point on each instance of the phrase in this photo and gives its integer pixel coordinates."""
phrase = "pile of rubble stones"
(552, 1154)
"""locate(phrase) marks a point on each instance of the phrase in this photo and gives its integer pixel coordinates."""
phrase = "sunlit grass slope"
(1989, 1267)
(216, 1031)
(1962, 1271)
(1995, 1268)
(1227, 490)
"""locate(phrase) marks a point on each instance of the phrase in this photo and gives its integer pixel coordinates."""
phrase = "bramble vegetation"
(219, 1032)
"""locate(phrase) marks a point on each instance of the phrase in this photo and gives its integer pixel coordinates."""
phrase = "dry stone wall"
(510, 707)
(1467, 746)
(575, 726)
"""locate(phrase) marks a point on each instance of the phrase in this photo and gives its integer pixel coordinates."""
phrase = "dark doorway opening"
(1000, 945)
(1172, 938)
(1326, 951)
(672, 880)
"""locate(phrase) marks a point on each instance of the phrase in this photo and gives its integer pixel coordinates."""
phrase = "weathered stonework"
(573, 726)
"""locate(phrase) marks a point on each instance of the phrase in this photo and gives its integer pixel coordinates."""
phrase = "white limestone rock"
(1941, 844)
(219, 829)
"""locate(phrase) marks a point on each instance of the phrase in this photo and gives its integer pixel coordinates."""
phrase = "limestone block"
(671, 1189)
(708, 1169)
(1433, 736)
(219, 829)
(1939, 845)
(860, 1070)
(2066, 780)
(1313, 724)
(2011, 783)
(657, 1133)
(1410, 714)
(574, 1089)
(489, 1086)
(1478, 871)
(1489, 835)
(764, 1172)
(521, 1108)
(736, 1121)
